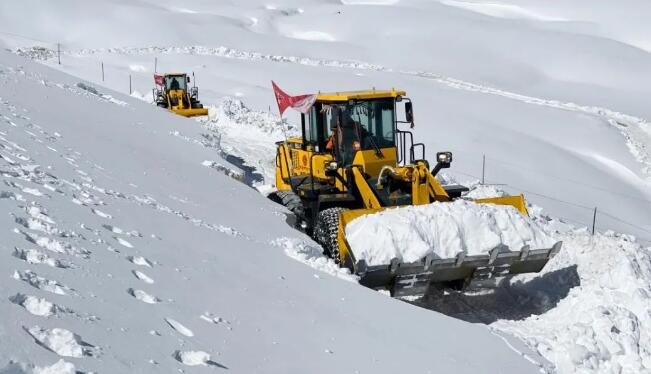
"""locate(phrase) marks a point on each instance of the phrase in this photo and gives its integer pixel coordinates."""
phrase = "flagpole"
(282, 126)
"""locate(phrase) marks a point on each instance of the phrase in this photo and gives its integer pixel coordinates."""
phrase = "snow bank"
(445, 229)
(603, 325)
(248, 134)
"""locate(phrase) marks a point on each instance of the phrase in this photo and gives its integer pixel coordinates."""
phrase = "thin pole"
(102, 71)
(59, 52)
(594, 220)
(129, 84)
(155, 64)
(483, 168)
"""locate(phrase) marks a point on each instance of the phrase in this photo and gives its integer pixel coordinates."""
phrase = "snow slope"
(554, 96)
(122, 252)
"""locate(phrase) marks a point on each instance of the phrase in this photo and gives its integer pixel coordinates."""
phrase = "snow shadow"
(515, 301)
(251, 175)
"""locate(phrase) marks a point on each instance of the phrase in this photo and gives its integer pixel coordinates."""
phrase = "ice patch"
(444, 229)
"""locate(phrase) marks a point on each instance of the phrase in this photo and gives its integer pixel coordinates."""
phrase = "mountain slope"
(123, 253)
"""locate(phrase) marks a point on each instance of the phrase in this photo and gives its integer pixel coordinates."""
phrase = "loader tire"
(291, 201)
(325, 232)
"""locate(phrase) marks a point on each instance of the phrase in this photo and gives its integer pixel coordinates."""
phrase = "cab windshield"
(363, 125)
(175, 82)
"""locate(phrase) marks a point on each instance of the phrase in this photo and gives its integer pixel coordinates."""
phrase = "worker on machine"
(350, 133)
(175, 85)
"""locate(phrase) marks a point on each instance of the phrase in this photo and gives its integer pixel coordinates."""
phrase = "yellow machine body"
(375, 178)
(177, 97)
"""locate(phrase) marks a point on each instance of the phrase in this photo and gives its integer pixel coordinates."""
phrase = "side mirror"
(409, 112)
(188, 79)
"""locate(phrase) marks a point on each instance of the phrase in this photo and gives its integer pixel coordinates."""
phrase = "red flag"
(302, 103)
(158, 79)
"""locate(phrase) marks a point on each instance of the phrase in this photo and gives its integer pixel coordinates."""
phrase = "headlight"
(332, 165)
(444, 157)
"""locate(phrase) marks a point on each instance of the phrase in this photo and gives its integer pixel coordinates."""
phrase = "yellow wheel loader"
(172, 92)
(352, 159)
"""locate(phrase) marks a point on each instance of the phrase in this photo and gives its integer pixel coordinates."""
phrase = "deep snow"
(555, 96)
(119, 196)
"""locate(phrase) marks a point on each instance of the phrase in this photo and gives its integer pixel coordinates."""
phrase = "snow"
(443, 229)
(35, 305)
(60, 341)
(555, 97)
(193, 358)
(60, 367)
(179, 327)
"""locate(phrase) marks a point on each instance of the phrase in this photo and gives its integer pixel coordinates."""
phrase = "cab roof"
(360, 95)
(174, 74)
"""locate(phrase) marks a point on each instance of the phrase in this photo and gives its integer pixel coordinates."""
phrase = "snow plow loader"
(353, 160)
(172, 92)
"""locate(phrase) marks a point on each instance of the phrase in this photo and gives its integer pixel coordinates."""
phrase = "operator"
(175, 85)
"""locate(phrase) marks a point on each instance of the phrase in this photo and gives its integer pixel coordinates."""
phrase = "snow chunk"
(60, 367)
(143, 296)
(59, 341)
(444, 229)
(179, 327)
(139, 260)
(192, 358)
(35, 305)
(312, 256)
(143, 277)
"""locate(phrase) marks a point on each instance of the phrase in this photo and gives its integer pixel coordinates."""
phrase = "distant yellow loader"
(172, 92)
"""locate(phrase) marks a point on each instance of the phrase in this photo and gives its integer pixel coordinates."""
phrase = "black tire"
(325, 232)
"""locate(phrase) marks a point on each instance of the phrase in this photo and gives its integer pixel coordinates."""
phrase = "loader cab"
(353, 126)
(176, 82)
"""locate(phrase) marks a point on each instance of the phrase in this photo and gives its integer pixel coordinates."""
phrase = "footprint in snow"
(123, 242)
(143, 277)
(143, 296)
(41, 283)
(36, 305)
(100, 213)
(139, 260)
(179, 327)
(33, 256)
(196, 358)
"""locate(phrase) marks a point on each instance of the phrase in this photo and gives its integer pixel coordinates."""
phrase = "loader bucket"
(191, 112)
(516, 201)
(415, 278)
